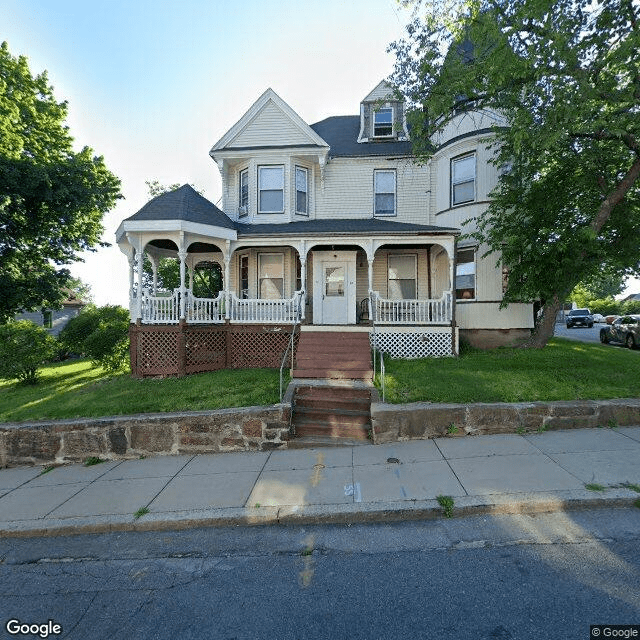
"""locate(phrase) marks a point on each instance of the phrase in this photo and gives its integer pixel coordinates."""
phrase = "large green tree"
(52, 198)
(564, 75)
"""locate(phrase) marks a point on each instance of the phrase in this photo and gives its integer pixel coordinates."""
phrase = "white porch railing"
(205, 310)
(160, 309)
(249, 310)
(411, 311)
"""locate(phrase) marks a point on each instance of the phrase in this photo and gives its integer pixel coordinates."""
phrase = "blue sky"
(152, 84)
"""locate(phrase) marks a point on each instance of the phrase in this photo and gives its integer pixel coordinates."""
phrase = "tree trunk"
(544, 328)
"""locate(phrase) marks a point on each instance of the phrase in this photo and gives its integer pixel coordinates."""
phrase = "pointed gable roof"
(269, 122)
(184, 204)
(382, 91)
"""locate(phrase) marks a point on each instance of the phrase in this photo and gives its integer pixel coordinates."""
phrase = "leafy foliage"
(24, 348)
(102, 333)
(562, 78)
(52, 198)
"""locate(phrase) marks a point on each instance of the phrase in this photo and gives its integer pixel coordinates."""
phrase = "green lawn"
(564, 370)
(75, 389)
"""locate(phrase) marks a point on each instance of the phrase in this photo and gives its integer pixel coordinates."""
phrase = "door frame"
(320, 258)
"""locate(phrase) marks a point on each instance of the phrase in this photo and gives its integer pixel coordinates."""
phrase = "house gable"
(269, 123)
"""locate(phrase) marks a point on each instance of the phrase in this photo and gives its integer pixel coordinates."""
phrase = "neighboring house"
(632, 296)
(54, 320)
(334, 224)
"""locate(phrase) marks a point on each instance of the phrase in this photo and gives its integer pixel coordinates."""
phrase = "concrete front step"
(313, 442)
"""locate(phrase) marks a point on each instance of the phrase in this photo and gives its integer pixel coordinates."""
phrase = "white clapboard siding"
(270, 127)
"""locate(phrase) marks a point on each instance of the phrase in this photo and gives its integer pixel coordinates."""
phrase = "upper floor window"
(383, 122)
(302, 191)
(243, 193)
(463, 179)
(270, 189)
(466, 274)
(403, 277)
(385, 192)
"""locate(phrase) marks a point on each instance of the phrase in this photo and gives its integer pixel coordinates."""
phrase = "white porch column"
(191, 272)
(132, 264)
(154, 269)
(140, 265)
(302, 253)
(182, 255)
(226, 254)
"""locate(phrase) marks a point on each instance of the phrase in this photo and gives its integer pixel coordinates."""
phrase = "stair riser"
(337, 420)
(333, 375)
(327, 404)
(331, 432)
(334, 393)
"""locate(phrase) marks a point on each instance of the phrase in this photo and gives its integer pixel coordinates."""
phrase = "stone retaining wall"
(421, 420)
(242, 429)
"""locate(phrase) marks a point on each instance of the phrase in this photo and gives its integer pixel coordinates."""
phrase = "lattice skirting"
(161, 350)
(419, 344)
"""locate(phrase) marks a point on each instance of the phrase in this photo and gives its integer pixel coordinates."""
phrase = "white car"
(597, 317)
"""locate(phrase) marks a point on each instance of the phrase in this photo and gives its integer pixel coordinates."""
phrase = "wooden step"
(304, 428)
(337, 417)
(334, 374)
(313, 442)
(322, 391)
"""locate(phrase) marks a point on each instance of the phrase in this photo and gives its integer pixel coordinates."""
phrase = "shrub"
(102, 333)
(24, 347)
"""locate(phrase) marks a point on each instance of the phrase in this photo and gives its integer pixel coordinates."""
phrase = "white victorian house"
(331, 225)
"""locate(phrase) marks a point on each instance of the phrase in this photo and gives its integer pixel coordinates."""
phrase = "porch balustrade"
(165, 309)
(249, 310)
(399, 312)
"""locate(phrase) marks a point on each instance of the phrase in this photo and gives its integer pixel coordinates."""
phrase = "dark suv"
(579, 318)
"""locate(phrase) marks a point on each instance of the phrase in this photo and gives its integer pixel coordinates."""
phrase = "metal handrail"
(375, 346)
(290, 342)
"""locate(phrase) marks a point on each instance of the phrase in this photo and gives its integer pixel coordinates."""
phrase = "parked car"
(598, 317)
(625, 329)
(611, 319)
(579, 318)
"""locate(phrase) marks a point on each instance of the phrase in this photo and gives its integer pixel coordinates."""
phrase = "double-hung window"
(463, 179)
(243, 193)
(271, 276)
(302, 191)
(385, 192)
(466, 274)
(271, 189)
(383, 122)
(402, 277)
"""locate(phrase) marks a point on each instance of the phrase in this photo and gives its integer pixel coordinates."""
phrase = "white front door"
(334, 293)
(334, 287)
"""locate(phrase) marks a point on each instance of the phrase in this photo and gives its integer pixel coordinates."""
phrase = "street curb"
(355, 513)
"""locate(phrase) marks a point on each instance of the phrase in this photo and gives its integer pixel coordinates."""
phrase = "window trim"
(386, 107)
(415, 273)
(243, 294)
(243, 173)
(395, 193)
(453, 184)
(306, 192)
(260, 278)
(474, 250)
(260, 190)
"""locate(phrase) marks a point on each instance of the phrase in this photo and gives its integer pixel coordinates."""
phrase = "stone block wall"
(422, 420)
(122, 437)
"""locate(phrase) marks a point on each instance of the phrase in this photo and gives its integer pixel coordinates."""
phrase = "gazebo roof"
(186, 204)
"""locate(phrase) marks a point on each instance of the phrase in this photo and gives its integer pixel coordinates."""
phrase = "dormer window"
(383, 122)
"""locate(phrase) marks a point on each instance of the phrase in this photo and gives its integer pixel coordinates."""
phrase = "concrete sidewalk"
(483, 474)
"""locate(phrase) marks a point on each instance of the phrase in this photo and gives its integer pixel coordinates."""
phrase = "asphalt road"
(510, 577)
(583, 334)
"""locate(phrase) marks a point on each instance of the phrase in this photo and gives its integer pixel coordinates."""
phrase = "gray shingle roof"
(366, 226)
(341, 134)
(186, 204)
